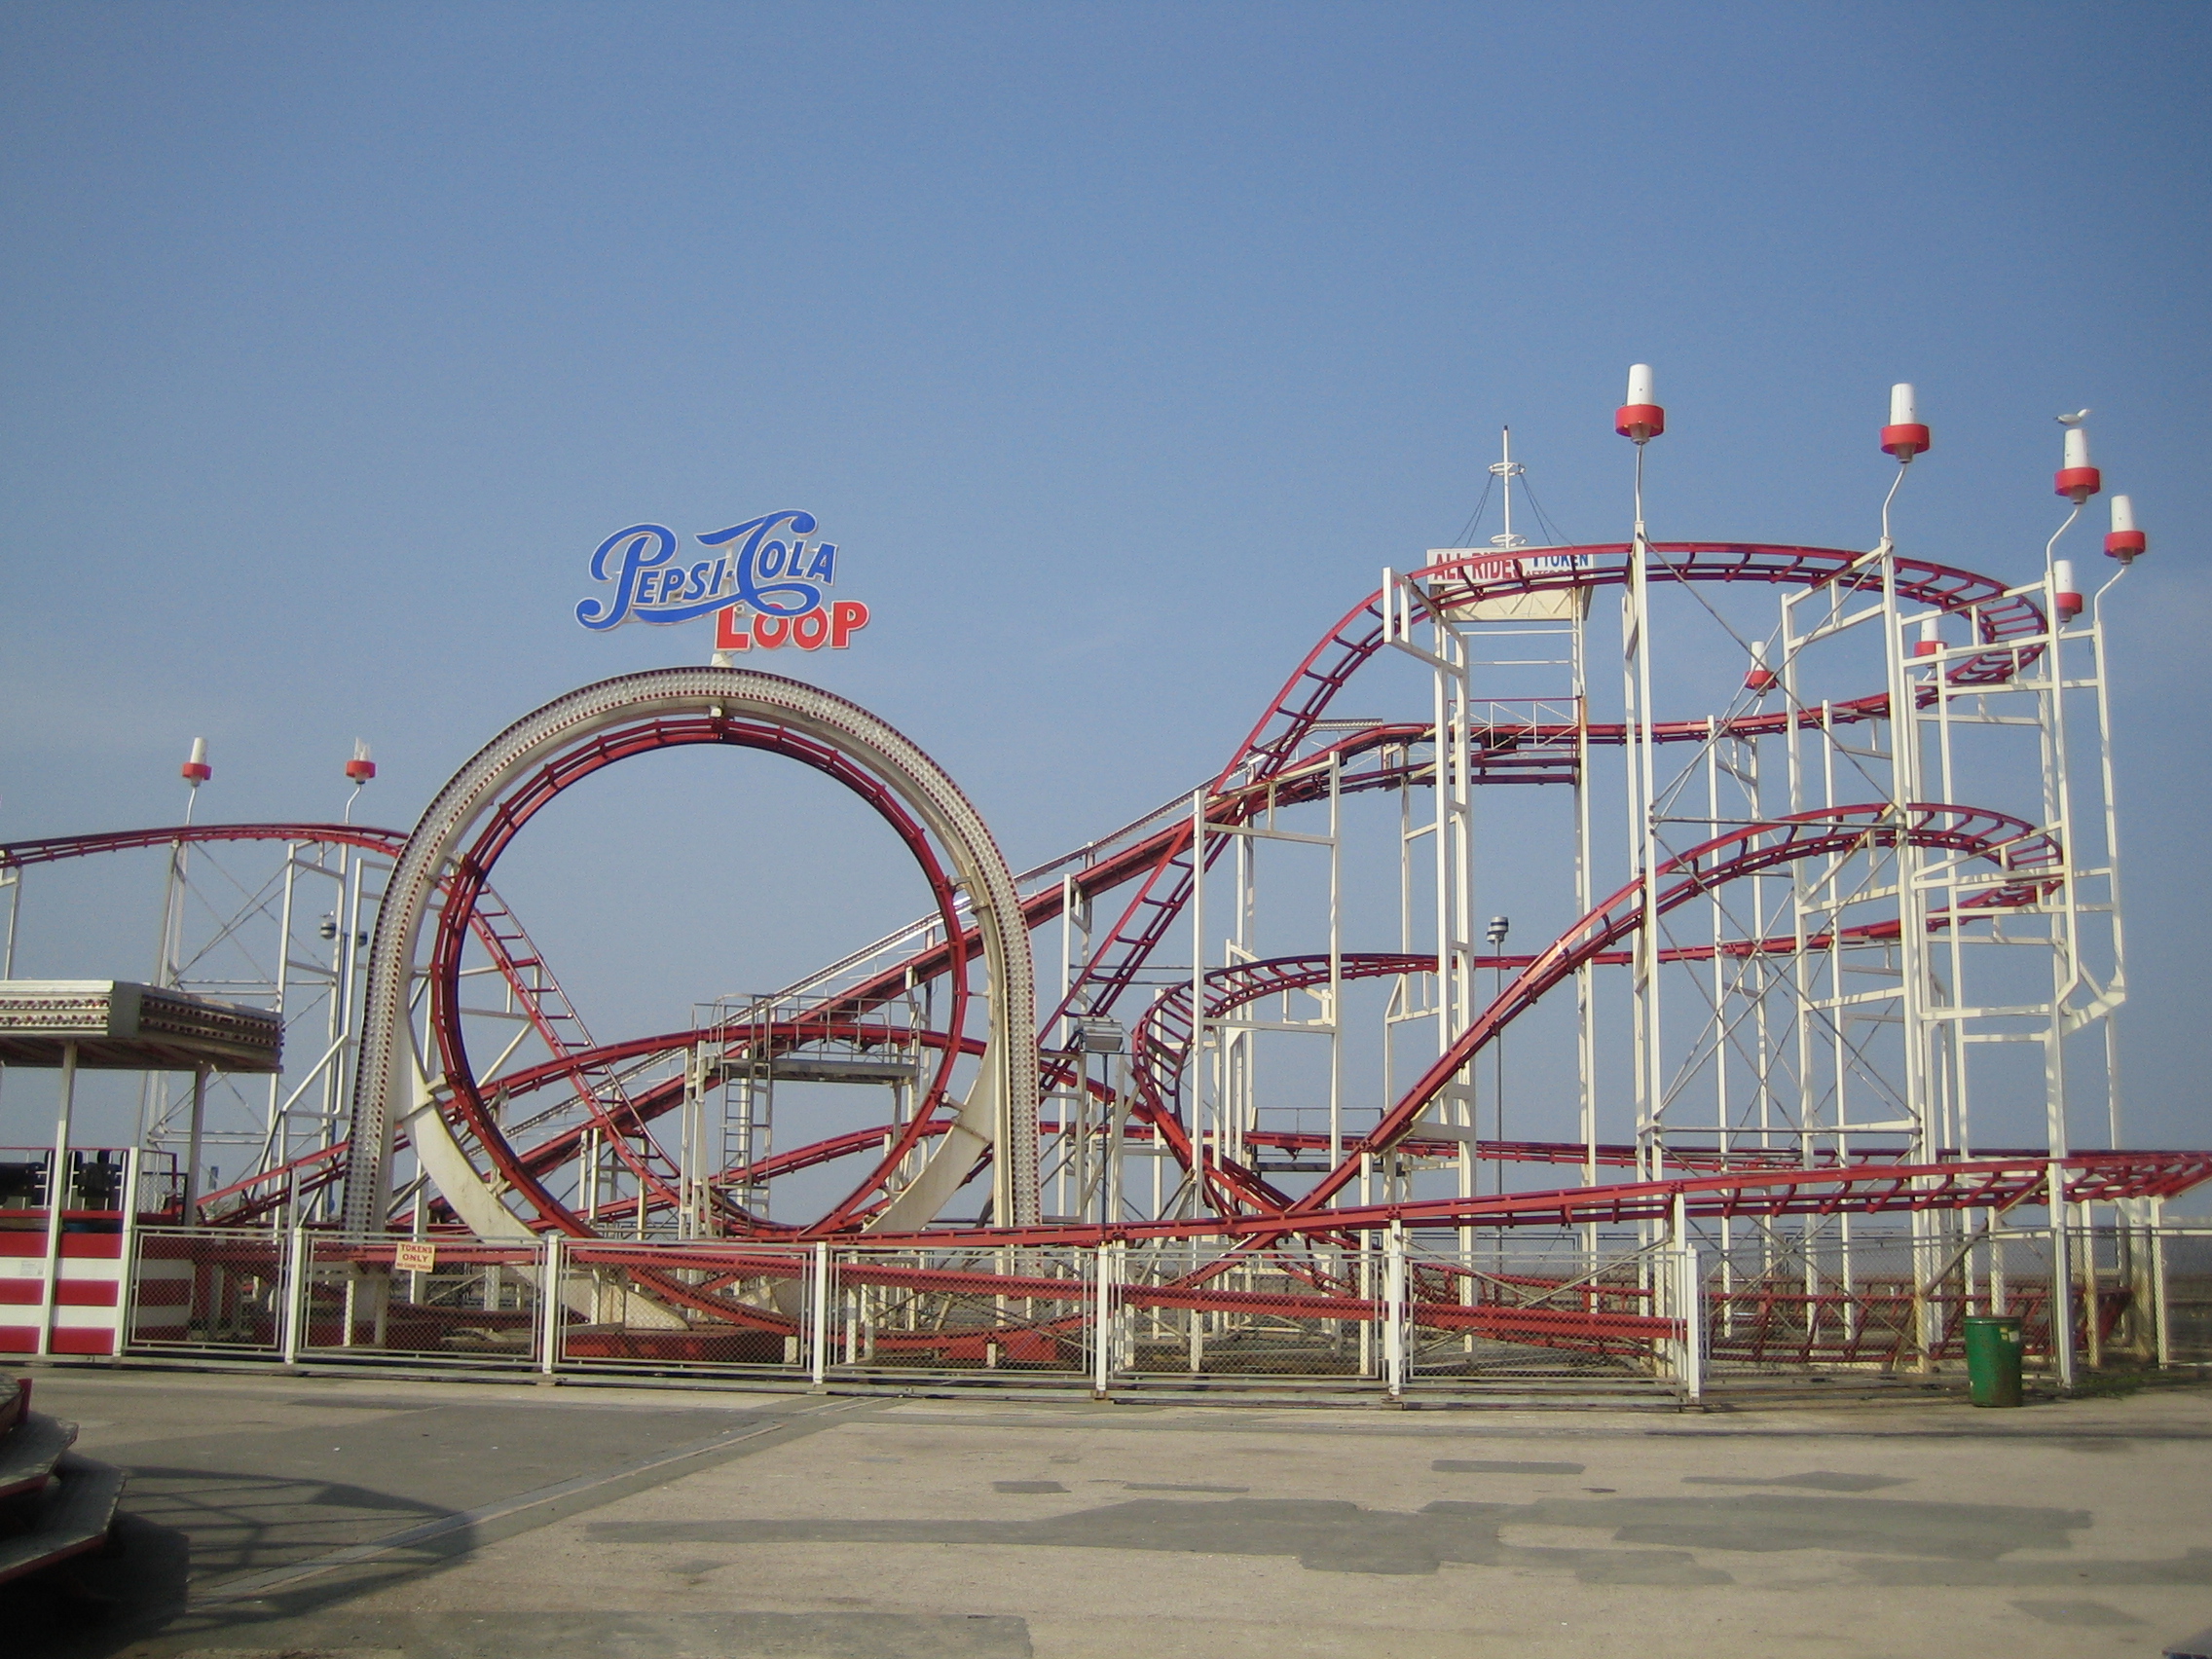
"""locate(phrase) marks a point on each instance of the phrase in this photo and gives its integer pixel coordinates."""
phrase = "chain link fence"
(1792, 1304)
(1898, 1302)
(1565, 1307)
(209, 1290)
(712, 1309)
(448, 1301)
(955, 1310)
(2181, 1268)
(1201, 1308)
(1388, 1311)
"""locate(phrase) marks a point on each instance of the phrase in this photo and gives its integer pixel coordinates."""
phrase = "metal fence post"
(1394, 1311)
(817, 1347)
(127, 1288)
(2061, 1280)
(1102, 1321)
(549, 1304)
(1366, 1286)
(1121, 1354)
(297, 1270)
(59, 1192)
(1689, 1294)
(1686, 1294)
(2158, 1280)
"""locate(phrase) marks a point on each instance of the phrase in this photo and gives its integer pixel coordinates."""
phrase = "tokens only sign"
(766, 585)
(416, 1256)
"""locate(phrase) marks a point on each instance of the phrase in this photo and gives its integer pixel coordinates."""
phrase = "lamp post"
(1499, 926)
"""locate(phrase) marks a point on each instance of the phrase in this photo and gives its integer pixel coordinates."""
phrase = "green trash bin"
(1993, 1359)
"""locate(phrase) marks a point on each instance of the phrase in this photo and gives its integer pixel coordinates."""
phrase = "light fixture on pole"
(1906, 435)
(2124, 542)
(1499, 926)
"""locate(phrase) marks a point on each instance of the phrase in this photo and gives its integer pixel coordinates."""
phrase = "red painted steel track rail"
(2010, 624)
(1997, 1182)
(2029, 859)
(1272, 768)
(494, 926)
(466, 1102)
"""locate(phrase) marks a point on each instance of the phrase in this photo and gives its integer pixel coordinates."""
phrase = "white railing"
(1389, 1313)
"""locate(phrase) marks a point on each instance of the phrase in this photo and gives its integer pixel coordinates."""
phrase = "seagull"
(2074, 420)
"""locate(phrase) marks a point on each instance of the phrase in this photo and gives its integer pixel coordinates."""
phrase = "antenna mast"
(1506, 469)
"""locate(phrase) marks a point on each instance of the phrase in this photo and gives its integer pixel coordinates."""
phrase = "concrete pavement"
(367, 1518)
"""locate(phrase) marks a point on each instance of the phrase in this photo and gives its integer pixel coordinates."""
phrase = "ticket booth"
(67, 1211)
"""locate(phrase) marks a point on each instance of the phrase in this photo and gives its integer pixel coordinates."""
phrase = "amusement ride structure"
(1833, 1018)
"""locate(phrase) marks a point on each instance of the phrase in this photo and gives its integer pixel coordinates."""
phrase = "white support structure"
(1222, 1072)
(1689, 1303)
(1105, 1263)
(818, 1317)
(1536, 644)
(551, 1305)
(1394, 1311)
(1935, 974)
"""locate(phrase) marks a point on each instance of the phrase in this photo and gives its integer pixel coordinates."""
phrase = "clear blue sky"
(1116, 345)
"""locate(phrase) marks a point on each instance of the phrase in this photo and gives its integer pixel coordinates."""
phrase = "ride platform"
(53, 1503)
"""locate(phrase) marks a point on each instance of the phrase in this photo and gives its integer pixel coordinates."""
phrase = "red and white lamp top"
(196, 770)
(1639, 419)
(360, 769)
(2065, 591)
(2077, 480)
(1760, 678)
(1906, 436)
(2124, 541)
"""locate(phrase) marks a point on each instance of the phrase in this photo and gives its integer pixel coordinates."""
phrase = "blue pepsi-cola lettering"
(774, 574)
(750, 565)
(606, 613)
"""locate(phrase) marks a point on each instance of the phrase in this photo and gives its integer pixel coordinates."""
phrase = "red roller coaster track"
(1276, 765)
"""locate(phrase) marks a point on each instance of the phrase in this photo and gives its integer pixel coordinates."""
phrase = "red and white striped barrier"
(84, 1316)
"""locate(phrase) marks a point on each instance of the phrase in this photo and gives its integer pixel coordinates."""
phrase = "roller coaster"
(1850, 990)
